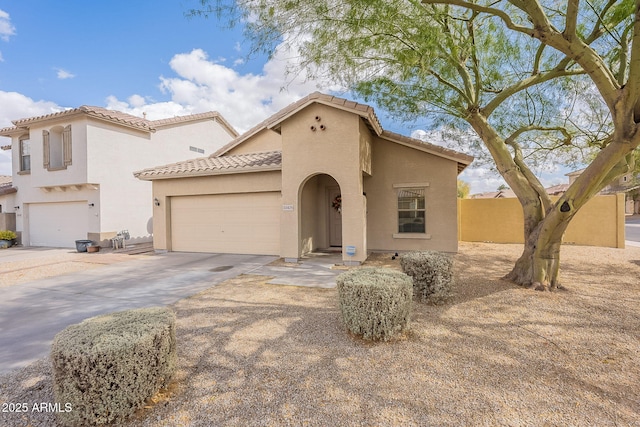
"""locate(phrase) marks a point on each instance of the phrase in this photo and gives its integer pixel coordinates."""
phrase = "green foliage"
(7, 235)
(375, 302)
(463, 189)
(107, 366)
(432, 274)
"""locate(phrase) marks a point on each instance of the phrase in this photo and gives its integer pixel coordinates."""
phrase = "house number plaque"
(287, 207)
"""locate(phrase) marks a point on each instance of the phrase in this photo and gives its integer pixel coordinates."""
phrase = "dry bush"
(107, 366)
(432, 274)
(375, 302)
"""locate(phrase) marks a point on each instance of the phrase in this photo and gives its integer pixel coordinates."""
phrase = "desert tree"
(537, 80)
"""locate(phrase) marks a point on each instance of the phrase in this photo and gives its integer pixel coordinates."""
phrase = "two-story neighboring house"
(73, 170)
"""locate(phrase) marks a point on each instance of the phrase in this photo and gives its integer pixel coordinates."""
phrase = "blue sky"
(146, 56)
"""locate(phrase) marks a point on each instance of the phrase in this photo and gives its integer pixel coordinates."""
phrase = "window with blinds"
(411, 210)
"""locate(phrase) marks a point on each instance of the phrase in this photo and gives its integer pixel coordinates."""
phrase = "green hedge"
(108, 366)
(432, 274)
(375, 302)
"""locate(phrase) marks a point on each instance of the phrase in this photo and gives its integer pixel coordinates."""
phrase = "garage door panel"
(57, 224)
(227, 223)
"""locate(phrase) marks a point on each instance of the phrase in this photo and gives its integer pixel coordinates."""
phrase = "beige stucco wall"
(265, 140)
(599, 223)
(394, 165)
(164, 189)
(334, 151)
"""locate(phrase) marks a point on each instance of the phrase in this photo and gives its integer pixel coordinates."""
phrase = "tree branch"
(597, 30)
(633, 84)
(571, 19)
(559, 71)
(484, 9)
(535, 184)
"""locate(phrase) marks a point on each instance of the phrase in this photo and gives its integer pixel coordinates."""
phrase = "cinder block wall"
(599, 223)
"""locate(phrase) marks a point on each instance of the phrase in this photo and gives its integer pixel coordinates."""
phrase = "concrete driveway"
(31, 314)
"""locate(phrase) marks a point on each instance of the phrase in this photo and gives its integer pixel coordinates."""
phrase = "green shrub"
(432, 274)
(7, 235)
(107, 366)
(375, 302)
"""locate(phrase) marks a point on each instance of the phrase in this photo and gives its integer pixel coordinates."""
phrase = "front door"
(335, 217)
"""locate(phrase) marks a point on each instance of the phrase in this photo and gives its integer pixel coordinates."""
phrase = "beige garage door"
(227, 223)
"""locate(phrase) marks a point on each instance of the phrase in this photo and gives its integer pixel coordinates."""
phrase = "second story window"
(25, 155)
(56, 148)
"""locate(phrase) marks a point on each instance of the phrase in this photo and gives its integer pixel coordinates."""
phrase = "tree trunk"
(539, 265)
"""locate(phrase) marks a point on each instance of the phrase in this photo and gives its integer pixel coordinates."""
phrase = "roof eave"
(229, 171)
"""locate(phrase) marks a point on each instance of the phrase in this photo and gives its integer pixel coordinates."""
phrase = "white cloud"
(14, 106)
(6, 27)
(63, 74)
(203, 84)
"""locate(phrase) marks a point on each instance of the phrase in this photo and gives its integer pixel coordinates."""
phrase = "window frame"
(58, 138)
(398, 190)
(22, 141)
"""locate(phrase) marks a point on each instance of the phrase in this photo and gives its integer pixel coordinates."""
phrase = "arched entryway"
(320, 201)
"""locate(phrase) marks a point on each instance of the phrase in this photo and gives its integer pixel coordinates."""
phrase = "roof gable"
(275, 121)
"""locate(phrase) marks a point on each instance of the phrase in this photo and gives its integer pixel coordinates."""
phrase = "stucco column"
(354, 226)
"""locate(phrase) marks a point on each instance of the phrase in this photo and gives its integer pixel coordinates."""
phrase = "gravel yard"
(257, 354)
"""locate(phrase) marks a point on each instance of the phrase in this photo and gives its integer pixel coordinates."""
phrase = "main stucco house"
(72, 171)
(320, 174)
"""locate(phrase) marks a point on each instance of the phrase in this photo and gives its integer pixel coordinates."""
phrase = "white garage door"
(57, 224)
(227, 223)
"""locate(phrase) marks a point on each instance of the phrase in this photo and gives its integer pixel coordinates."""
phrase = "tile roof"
(252, 162)
(118, 117)
(204, 166)
(6, 185)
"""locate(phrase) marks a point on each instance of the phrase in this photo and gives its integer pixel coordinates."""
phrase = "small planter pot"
(92, 249)
(4, 244)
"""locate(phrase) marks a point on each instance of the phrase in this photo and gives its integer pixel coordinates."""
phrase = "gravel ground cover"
(253, 354)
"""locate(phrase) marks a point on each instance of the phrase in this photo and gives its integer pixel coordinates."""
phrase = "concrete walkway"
(314, 270)
(31, 314)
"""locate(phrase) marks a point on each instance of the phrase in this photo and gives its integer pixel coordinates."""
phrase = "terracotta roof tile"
(116, 117)
(6, 186)
(271, 160)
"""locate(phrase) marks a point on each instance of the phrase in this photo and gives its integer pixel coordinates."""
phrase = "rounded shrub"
(375, 302)
(432, 274)
(108, 366)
